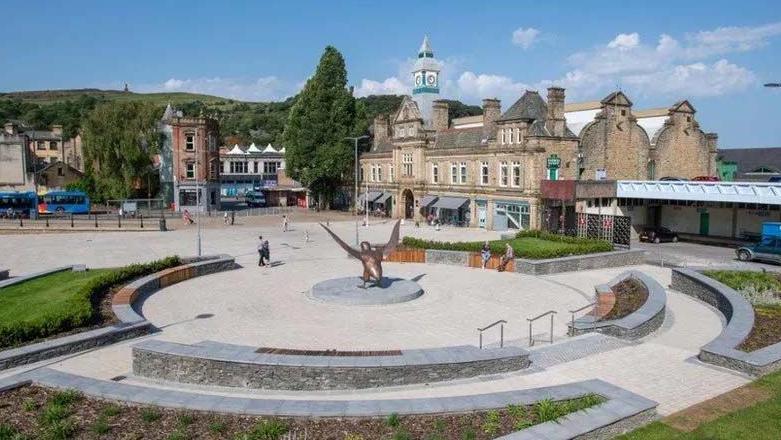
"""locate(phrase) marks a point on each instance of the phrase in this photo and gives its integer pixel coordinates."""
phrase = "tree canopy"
(119, 140)
(317, 153)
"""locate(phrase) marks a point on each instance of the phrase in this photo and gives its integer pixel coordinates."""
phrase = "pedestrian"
(485, 254)
(261, 253)
(266, 253)
(284, 223)
(233, 217)
(225, 217)
(187, 218)
(508, 256)
(306, 235)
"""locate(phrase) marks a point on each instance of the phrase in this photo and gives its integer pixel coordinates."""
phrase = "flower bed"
(535, 245)
(81, 308)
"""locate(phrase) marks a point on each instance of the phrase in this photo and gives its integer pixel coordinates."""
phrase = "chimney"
(57, 129)
(555, 122)
(380, 128)
(10, 128)
(439, 117)
(712, 140)
(492, 109)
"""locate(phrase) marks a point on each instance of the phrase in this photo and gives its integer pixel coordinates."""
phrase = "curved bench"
(221, 364)
(642, 322)
(131, 324)
(740, 320)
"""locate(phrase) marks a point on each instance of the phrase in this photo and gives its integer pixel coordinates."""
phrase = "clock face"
(418, 80)
(431, 80)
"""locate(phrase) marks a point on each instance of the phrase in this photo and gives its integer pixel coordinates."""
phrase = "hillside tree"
(317, 154)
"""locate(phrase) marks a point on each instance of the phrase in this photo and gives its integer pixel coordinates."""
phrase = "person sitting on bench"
(508, 256)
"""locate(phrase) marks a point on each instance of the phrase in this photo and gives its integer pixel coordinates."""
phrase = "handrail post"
(531, 339)
(501, 335)
(481, 339)
(551, 328)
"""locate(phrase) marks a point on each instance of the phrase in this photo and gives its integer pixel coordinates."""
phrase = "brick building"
(487, 171)
(189, 161)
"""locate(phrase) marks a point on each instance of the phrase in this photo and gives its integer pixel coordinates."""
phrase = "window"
(484, 173)
(256, 167)
(434, 173)
(374, 173)
(361, 174)
(238, 168)
(503, 174)
(190, 170)
(516, 174)
(270, 167)
(53, 145)
(189, 141)
(60, 171)
(391, 173)
(453, 173)
(41, 145)
(623, 112)
(463, 172)
(503, 135)
(379, 173)
(518, 135)
(406, 160)
(510, 141)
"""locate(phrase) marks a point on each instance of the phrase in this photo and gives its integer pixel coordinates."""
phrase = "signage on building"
(601, 174)
(554, 161)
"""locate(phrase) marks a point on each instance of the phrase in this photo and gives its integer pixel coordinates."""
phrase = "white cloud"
(473, 87)
(625, 41)
(267, 88)
(390, 86)
(525, 38)
(733, 38)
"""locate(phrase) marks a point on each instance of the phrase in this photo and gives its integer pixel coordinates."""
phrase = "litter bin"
(162, 224)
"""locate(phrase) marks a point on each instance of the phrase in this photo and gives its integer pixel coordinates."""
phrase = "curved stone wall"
(740, 320)
(220, 364)
(642, 322)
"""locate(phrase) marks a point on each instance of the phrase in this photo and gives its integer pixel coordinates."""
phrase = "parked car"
(706, 179)
(775, 179)
(658, 235)
(255, 199)
(768, 249)
(672, 179)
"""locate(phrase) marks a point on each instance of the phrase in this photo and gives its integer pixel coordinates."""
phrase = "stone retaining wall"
(220, 364)
(526, 266)
(131, 324)
(642, 322)
(740, 320)
(31, 276)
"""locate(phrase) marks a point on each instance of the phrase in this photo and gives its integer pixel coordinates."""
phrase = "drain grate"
(271, 350)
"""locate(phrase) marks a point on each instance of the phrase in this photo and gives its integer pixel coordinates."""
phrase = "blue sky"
(715, 53)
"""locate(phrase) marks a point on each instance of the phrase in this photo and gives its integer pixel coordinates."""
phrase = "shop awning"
(450, 202)
(384, 198)
(371, 196)
(427, 200)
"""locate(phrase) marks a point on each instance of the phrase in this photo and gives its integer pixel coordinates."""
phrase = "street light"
(197, 195)
(355, 140)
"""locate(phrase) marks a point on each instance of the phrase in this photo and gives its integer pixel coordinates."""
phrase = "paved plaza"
(270, 307)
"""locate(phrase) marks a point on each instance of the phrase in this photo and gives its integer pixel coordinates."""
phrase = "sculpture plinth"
(349, 292)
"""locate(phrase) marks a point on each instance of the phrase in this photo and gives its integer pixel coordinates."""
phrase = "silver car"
(768, 249)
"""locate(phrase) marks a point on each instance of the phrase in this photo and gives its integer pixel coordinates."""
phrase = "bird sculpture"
(371, 257)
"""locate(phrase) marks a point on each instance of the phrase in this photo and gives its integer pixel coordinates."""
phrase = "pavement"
(684, 254)
(270, 307)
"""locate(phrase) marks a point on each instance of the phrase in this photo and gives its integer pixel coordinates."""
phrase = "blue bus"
(60, 202)
(18, 204)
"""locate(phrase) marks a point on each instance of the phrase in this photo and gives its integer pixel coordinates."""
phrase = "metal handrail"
(501, 332)
(576, 311)
(531, 321)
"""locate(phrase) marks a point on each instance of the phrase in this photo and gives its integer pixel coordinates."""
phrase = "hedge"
(546, 245)
(83, 308)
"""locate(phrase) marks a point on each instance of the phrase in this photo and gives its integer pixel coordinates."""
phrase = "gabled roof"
(62, 164)
(617, 98)
(253, 149)
(236, 150)
(683, 106)
(269, 149)
(408, 108)
(530, 106)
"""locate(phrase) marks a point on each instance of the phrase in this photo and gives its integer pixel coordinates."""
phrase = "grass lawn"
(46, 296)
(530, 244)
(758, 419)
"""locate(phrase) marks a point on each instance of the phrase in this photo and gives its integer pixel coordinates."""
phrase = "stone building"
(49, 146)
(487, 171)
(189, 161)
(17, 171)
(56, 176)
(244, 169)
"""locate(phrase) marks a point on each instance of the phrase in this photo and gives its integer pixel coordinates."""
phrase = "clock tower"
(425, 76)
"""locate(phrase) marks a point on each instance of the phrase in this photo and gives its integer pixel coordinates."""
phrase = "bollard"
(119, 221)
(47, 222)
(96, 220)
(141, 216)
(162, 225)
(21, 222)
(71, 219)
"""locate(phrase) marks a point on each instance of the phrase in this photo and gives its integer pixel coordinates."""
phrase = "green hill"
(53, 96)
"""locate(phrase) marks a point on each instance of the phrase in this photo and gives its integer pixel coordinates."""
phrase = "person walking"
(306, 236)
(485, 254)
(261, 253)
(266, 253)
(284, 223)
(508, 256)
(225, 217)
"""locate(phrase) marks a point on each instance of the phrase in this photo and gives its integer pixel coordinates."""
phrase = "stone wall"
(219, 364)
(453, 258)
(580, 262)
(681, 148)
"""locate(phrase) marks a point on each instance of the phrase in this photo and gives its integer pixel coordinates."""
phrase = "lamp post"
(197, 195)
(355, 140)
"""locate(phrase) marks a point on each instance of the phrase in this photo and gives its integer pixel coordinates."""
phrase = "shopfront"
(452, 210)
(511, 215)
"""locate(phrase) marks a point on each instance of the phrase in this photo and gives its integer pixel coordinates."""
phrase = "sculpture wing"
(393, 242)
(350, 250)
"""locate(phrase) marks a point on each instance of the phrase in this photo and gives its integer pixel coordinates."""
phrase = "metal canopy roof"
(450, 202)
(427, 200)
(735, 192)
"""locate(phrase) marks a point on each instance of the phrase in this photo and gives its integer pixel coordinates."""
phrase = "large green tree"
(119, 140)
(317, 154)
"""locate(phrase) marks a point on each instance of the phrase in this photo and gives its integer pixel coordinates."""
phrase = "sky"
(717, 54)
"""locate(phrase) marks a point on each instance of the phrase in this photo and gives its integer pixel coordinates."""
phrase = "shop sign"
(553, 161)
